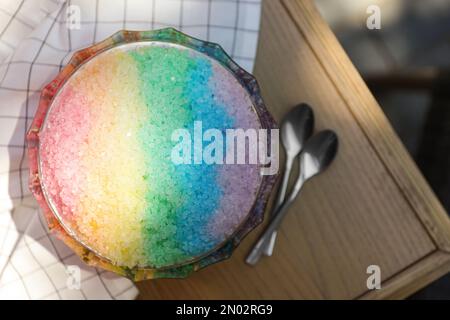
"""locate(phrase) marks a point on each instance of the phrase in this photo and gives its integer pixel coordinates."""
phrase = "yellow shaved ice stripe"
(111, 205)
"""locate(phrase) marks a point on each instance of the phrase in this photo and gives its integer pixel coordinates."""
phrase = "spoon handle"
(284, 183)
(277, 218)
(268, 249)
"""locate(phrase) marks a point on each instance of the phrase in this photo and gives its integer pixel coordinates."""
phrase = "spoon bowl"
(296, 127)
(318, 153)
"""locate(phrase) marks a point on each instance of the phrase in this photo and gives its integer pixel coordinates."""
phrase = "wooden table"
(371, 207)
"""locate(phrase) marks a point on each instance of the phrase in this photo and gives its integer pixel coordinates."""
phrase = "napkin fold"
(37, 38)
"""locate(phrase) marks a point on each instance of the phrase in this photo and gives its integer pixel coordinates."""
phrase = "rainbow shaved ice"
(105, 155)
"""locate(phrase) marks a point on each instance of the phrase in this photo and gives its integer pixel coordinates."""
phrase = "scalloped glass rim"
(215, 51)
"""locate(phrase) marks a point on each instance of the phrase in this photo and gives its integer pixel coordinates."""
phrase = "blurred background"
(406, 64)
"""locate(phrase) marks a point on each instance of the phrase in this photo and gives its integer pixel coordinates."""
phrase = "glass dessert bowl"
(104, 162)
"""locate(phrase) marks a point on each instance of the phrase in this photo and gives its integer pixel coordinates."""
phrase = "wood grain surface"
(372, 206)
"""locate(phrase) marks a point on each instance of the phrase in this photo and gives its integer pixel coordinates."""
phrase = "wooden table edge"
(366, 111)
(412, 278)
(387, 146)
(371, 119)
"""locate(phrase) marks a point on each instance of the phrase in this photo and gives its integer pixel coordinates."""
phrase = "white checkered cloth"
(35, 43)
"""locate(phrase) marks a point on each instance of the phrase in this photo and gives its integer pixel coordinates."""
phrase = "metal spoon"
(297, 126)
(318, 153)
